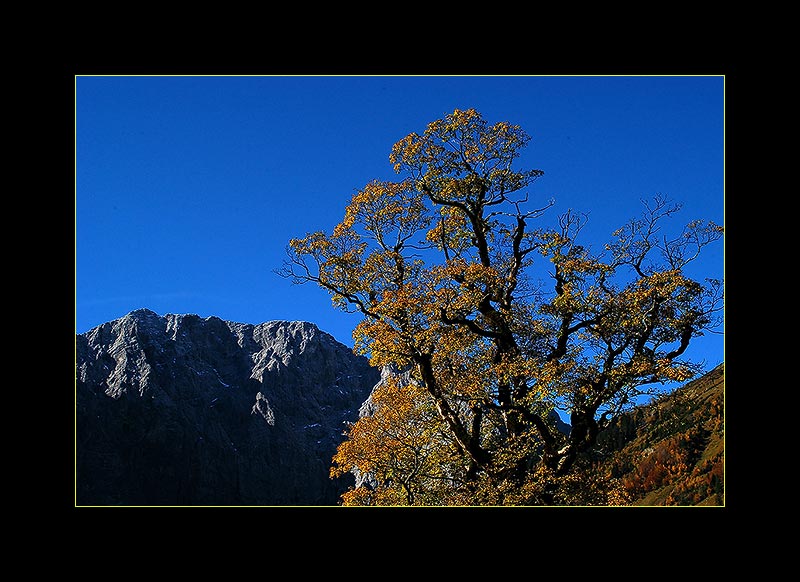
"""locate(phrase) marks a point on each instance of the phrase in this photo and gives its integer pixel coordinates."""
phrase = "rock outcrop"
(183, 410)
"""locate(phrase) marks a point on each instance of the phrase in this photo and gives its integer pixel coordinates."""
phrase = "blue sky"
(188, 188)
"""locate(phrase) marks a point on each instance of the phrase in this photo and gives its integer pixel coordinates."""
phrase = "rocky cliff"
(181, 410)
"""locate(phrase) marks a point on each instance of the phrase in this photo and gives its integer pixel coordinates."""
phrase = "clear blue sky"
(188, 188)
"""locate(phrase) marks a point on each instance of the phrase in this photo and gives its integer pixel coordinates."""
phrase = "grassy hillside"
(670, 452)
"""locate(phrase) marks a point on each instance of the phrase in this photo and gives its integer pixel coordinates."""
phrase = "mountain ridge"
(184, 410)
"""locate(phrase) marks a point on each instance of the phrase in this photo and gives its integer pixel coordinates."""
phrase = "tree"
(497, 323)
(402, 445)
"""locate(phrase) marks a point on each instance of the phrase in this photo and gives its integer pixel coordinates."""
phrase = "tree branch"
(468, 323)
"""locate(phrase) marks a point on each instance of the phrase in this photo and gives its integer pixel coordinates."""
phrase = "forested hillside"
(672, 451)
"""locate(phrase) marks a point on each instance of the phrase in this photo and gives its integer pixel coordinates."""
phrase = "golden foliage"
(403, 445)
(441, 265)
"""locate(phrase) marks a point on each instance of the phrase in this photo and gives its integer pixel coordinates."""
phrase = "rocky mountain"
(183, 410)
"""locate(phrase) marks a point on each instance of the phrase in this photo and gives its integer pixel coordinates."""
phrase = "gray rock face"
(180, 410)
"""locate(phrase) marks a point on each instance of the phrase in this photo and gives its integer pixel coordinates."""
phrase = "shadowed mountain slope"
(181, 410)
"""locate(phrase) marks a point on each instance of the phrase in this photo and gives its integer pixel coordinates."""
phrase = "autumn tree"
(496, 320)
(401, 448)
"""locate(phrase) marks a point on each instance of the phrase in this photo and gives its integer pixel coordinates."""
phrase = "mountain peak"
(184, 410)
(142, 312)
(171, 320)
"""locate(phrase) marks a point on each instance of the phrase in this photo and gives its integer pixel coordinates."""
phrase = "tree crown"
(442, 265)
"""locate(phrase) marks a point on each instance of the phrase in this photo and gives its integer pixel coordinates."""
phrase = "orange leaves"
(461, 285)
(441, 265)
(673, 371)
(382, 342)
(402, 445)
(451, 232)
(460, 158)
(408, 148)
(365, 496)
(382, 208)
(674, 460)
(341, 249)
(662, 300)
(475, 275)
(511, 367)
(314, 244)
